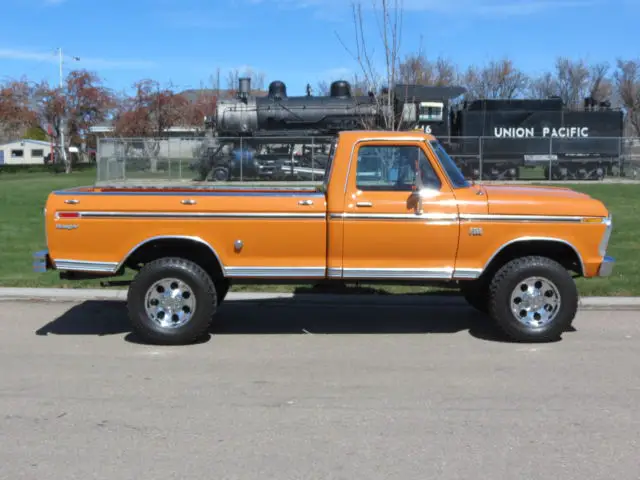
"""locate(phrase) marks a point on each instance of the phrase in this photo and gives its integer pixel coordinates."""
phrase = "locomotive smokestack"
(244, 87)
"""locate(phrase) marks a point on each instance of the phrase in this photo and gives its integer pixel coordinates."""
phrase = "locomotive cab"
(430, 112)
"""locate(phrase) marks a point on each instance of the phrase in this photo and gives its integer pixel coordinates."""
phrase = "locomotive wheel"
(221, 174)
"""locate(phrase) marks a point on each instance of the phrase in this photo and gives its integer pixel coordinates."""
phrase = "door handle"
(72, 201)
(364, 204)
(188, 201)
(305, 202)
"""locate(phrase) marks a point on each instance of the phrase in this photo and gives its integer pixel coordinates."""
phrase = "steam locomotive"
(488, 138)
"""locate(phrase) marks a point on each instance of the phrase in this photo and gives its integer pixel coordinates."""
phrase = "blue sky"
(185, 41)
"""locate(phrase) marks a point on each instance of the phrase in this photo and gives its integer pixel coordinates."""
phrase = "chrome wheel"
(170, 303)
(535, 302)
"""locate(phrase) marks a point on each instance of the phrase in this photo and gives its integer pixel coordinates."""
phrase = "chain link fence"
(288, 159)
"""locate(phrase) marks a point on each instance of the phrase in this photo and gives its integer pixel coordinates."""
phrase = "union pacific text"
(524, 132)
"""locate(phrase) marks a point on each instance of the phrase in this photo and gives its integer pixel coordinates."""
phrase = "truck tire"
(171, 302)
(533, 299)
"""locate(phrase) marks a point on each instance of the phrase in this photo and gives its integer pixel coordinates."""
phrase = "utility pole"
(62, 149)
(62, 119)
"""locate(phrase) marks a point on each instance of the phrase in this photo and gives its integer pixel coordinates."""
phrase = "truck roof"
(354, 135)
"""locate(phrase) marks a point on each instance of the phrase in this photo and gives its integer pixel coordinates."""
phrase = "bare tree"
(600, 85)
(627, 82)
(573, 80)
(499, 79)
(389, 21)
(323, 88)
(416, 69)
(543, 87)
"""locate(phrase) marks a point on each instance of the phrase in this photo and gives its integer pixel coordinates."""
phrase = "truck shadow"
(288, 316)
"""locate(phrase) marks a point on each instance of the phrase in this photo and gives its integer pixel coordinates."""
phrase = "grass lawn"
(22, 197)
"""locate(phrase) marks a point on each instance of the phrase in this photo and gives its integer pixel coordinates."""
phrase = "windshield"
(453, 172)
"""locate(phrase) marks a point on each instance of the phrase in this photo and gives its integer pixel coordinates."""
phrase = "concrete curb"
(81, 295)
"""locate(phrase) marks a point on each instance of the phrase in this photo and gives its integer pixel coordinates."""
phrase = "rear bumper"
(42, 261)
(606, 267)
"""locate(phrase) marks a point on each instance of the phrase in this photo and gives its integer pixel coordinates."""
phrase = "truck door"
(386, 235)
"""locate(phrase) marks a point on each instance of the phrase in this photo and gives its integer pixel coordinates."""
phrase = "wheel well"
(190, 249)
(561, 252)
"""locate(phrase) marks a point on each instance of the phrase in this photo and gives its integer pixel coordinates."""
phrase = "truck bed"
(252, 230)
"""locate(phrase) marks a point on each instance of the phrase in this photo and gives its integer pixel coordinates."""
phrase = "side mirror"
(417, 195)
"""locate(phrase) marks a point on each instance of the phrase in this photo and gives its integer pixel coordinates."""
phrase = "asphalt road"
(323, 392)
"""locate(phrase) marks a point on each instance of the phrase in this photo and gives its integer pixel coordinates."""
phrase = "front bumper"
(606, 267)
(42, 261)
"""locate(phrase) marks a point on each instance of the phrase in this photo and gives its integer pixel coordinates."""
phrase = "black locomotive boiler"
(493, 137)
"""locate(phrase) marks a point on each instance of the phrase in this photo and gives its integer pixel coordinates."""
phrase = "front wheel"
(171, 301)
(533, 299)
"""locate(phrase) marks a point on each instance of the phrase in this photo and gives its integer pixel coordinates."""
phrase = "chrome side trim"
(429, 217)
(536, 239)
(86, 266)
(172, 237)
(467, 273)
(604, 243)
(406, 273)
(606, 267)
(399, 273)
(200, 215)
(452, 217)
(194, 192)
(334, 272)
(276, 272)
(522, 218)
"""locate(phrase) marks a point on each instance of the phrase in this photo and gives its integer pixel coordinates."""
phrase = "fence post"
(620, 160)
(480, 157)
(550, 159)
(97, 159)
(123, 172)
(241, 158)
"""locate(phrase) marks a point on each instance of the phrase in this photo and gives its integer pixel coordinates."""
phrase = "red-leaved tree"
(81, 103)
(16, 109)
(150, 113)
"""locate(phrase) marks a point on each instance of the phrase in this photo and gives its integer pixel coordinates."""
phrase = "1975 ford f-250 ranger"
(393, 208)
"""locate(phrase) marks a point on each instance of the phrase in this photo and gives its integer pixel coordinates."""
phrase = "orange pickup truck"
(393, 208)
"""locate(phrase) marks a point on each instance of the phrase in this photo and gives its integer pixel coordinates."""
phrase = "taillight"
(67, 215)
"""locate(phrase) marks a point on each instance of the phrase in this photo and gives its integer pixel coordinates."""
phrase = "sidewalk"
(81, 295)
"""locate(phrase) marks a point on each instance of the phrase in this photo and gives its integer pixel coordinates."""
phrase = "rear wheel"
(171, 301)
(533, 299)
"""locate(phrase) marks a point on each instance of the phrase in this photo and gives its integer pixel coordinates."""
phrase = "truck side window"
(393, 168)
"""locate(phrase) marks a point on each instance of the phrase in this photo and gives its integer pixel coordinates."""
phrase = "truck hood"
(541, 200)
